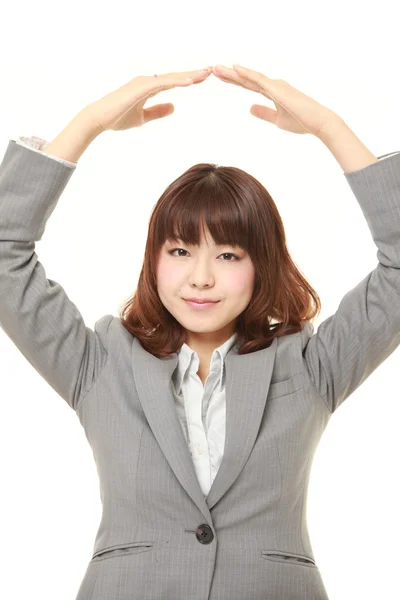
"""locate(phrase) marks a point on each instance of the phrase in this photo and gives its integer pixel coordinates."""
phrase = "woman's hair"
(237, 210)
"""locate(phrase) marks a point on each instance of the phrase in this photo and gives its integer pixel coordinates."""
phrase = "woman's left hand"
(295, 112)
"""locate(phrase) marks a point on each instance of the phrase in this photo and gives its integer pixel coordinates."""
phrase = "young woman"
(203, 418)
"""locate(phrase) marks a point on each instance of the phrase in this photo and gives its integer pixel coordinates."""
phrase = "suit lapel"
(247, 379)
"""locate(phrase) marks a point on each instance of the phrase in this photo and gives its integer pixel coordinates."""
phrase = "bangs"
(216, 208)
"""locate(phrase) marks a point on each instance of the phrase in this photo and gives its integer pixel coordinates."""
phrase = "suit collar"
(247, 379)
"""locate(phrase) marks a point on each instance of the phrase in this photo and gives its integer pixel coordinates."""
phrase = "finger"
(230, 76)
(232, 82)
(269, 87)
(158, 112)
(168, 81)
(186, 78)
(195, 73)
(254, 76)
(201, 77)
(198, 74)
(264, 113)
(223, 76)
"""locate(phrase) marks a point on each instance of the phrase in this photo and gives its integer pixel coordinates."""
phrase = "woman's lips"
(201, 306)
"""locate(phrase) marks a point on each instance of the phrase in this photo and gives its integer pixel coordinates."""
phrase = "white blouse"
(201, 410)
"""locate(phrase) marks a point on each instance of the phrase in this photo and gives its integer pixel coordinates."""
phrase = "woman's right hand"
(123, 108)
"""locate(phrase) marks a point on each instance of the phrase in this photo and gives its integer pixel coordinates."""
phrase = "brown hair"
(236, 209)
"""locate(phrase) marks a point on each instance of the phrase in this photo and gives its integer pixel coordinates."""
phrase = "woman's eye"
(224, 254)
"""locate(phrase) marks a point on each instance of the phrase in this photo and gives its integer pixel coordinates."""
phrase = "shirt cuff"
(38, 144)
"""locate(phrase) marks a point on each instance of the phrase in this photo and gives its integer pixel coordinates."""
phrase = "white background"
(54, 60)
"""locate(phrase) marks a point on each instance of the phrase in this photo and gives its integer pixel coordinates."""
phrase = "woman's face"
(205, 271)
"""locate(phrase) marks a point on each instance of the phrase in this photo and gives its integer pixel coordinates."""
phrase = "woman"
(203, 421)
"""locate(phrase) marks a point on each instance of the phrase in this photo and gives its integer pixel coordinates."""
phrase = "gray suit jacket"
(159, 538)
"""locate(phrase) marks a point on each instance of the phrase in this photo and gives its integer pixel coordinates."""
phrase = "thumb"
(158, 111)
(263, 112)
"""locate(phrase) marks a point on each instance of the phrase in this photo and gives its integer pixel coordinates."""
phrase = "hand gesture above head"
(124, 107)
(294, 112)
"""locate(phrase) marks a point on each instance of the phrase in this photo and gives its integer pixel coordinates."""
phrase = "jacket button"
(204, 534)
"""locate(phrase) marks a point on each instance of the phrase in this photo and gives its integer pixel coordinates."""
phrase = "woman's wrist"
(346, 147)
(73, 140)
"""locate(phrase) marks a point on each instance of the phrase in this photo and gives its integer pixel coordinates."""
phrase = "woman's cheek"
(242, 280)
(167, 273)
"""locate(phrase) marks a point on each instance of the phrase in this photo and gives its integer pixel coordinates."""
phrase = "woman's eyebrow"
(178, 240)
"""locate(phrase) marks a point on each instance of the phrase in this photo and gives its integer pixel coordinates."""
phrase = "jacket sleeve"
(350, 344)
(38, 144)
(35, 312)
